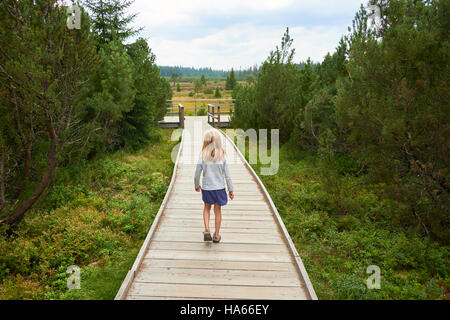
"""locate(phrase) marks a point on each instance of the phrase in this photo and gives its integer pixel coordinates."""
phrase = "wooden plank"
(238, 189)
(243, 192)
(200, 228)
(235, 181)
(187, 175)
(131, 297)
(231, 203)
(182, 236)
(228, 207)
(226, 223)
(218, 256)
(223, 247)
(212, 264)
(219, 277)
(249, 218)
(225, 211)
(237, 196)
(216, 291)
(241, 184)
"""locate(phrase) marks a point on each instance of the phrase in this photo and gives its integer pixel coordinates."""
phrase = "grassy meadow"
(187, 93)
(96, 217)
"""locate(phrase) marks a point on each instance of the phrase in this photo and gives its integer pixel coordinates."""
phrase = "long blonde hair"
(212, 150)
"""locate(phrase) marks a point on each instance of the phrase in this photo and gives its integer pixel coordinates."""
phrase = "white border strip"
(122, 293)
(298, 260)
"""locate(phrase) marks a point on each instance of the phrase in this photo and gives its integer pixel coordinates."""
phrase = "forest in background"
(189, 73)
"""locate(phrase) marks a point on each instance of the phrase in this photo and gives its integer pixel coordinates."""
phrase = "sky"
(240, 33)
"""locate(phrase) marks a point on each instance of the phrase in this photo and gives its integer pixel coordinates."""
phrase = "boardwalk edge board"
(298, 261)
(122, 293)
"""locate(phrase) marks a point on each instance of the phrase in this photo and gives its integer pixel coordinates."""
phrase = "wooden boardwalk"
(255, 259)
(174, 122)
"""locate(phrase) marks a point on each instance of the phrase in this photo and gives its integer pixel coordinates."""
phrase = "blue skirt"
(215, 196)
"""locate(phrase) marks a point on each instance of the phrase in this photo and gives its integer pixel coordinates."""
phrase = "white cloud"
(236, 33)
(243, 46)
(181, 13)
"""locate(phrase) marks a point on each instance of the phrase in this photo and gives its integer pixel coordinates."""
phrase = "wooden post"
(213, 116)
(218, 117)
(208, 112)
(181, 115)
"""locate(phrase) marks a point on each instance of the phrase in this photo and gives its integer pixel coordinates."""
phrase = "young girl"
(214, 166)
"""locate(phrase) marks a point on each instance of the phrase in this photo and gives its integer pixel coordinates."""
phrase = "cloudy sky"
(240, 33)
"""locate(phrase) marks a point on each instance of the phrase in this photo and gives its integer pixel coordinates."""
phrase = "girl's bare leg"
(218, 217)
(206, 212)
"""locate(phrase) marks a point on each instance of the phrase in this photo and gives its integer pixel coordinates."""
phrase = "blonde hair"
(212, 150)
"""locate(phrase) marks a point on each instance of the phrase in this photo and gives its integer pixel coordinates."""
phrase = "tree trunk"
(2, 176)
(26, 170)
(20, 212)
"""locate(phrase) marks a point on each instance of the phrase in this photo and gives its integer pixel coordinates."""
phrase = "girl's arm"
(198, 171)
(227, 176)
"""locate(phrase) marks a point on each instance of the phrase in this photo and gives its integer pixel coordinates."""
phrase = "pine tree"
(110, 92)
(109, 19)
(43, 66)
(231, 81)
(198, 85)
(395, 105)
(278, 96)
(217, 93)
(136, 125)
(174, 77)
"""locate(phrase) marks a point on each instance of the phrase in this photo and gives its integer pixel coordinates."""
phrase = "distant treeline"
(190, 72)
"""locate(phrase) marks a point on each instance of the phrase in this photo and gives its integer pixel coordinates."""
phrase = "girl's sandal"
(217, 240)
(207, 236)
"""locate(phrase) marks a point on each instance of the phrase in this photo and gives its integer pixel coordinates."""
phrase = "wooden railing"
(180, 113)
(215, 111)
(193, 104)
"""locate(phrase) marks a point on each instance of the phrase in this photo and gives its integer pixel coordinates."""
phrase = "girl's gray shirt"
(213, 175)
